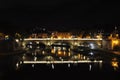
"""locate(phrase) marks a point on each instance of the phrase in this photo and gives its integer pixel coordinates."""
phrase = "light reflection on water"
(65, 53)
(70, 66)
(90, 67)
(115, 64)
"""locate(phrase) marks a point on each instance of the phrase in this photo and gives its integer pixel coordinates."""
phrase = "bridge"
(50, 41)
(71, 41)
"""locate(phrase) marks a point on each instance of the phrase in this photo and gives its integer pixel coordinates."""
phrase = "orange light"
(59, 52)
(52, 51)
(115, 64)
(115, 42)
(59, 37)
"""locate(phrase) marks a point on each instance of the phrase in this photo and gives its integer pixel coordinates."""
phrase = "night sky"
(20, 15)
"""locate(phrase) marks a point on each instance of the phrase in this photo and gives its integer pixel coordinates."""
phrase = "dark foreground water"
(61, 72)
(80, 71)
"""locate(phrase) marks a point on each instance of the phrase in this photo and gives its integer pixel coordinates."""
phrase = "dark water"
(80, 71)
(89, 71)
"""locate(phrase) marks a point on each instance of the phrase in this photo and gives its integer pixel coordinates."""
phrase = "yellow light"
(69, 37)
(48, 43)
(115, 42)
(75, 57)
(59, 52)
(99, 44)
(75, 43)
(69, 54)
(6, 36)
(115, 64)
(78, 55)
(17, 40)
(37, 42)
(117, 35)
(64, 53)
(52, 51)
(84, 57)
(98, 36)
(23, 44)
(59, 37)
(43, 52)
(69, 49)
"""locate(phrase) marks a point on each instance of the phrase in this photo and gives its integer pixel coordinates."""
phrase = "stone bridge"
(71, 41)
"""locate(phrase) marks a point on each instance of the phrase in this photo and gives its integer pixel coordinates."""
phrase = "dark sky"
(17, 15)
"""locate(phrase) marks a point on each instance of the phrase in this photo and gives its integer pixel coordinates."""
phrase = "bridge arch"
(35, 44)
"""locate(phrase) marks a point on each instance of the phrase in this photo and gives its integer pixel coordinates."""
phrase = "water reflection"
(63, 52)
(17, 66)
(90, 67)
(115, 63)
(33, 65)
(100, 65)
(69, 65)
(53, 66)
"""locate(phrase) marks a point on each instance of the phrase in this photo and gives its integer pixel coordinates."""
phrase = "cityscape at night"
(59, 37)
(42, 50)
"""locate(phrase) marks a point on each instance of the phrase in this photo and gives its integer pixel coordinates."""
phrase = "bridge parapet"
(88, 39)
